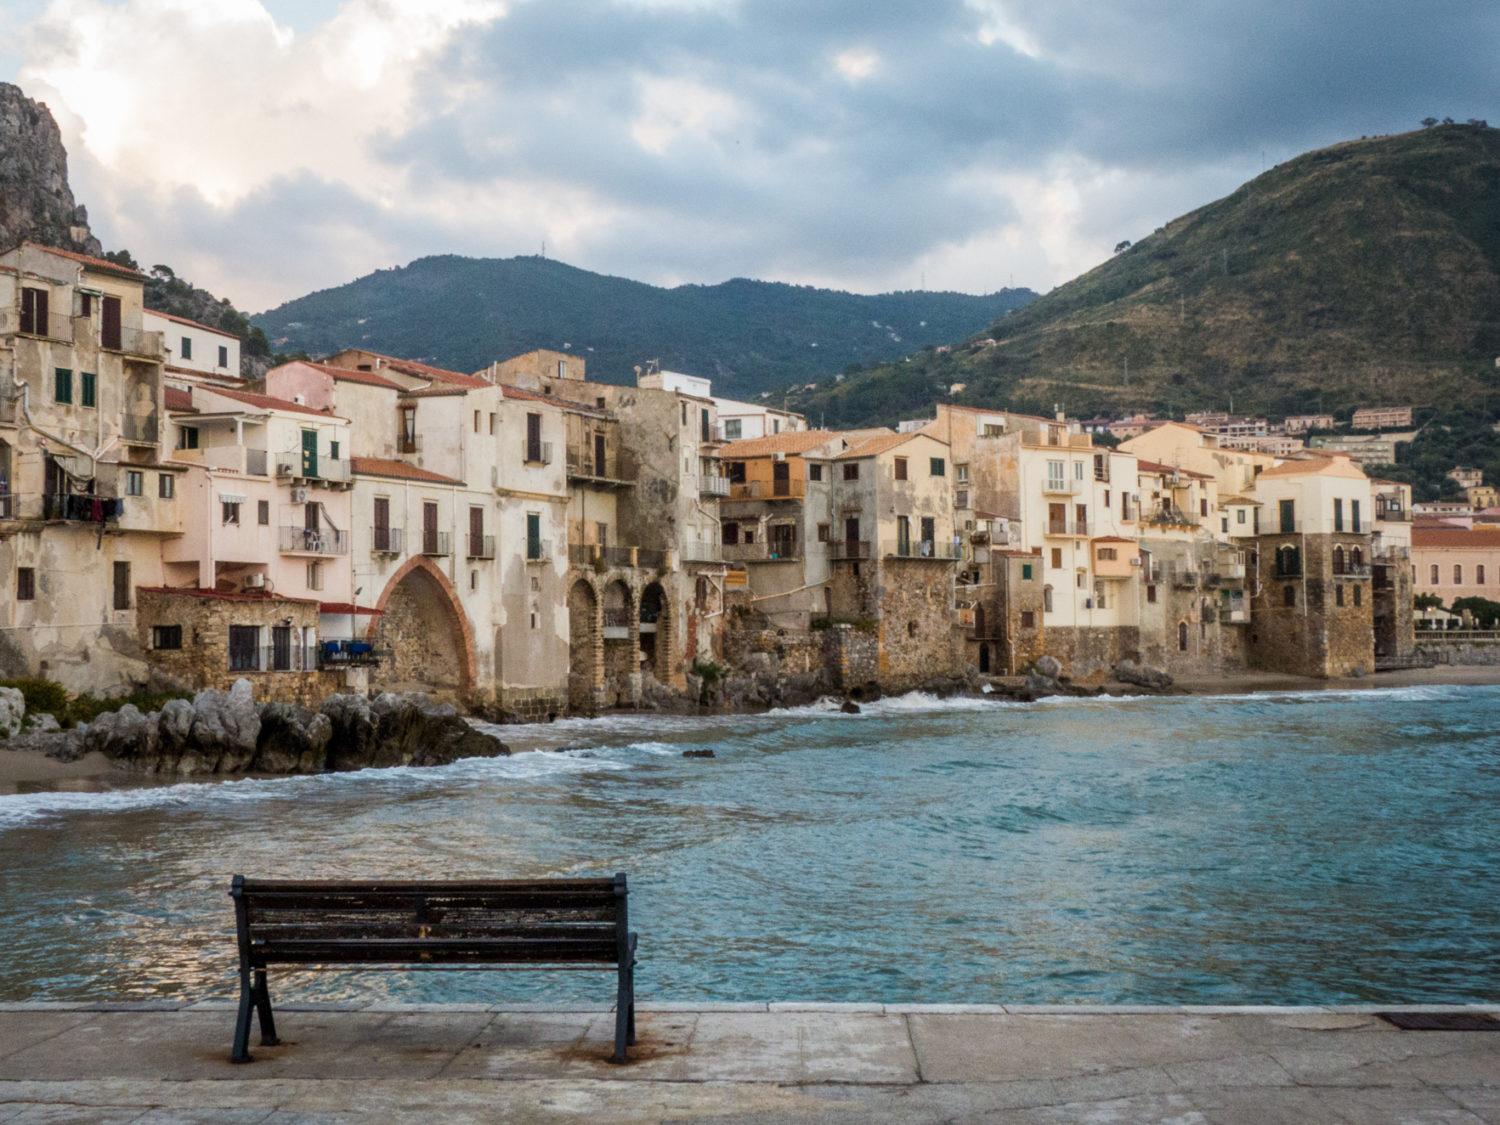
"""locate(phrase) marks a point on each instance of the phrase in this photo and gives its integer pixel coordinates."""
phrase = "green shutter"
(87, 384)
(62, 390)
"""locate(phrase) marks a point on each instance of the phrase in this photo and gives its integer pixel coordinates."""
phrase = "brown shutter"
(110, 336)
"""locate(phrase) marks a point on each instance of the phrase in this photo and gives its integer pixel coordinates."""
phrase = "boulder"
(12, 711)
(1048, 667)
(225, 731)
(698, 753)
(1130, 672)
(292, 739)
(126, 736)
(849, 707)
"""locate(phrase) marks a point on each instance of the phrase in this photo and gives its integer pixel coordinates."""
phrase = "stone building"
(86, 497)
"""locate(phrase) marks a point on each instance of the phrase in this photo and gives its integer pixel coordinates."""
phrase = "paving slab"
(806, 1063)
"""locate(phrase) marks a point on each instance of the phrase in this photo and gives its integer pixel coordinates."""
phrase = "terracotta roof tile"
(1157, 467)
(349, 374)
(1479, 538)
(1338, 466)
(267, 402)
(881, 443)
(397, 470)
(93, 263)
(192, 323)
(794, 442)
(424, 370)
(224, 595)
(177, 399)
(349, 608)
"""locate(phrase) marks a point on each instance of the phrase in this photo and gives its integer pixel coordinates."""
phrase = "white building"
(193, 347)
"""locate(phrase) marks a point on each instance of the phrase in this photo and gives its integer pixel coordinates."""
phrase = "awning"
(348, 608)
(232, 497)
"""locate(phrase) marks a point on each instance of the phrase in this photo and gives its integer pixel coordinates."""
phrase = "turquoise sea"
(1292, 848)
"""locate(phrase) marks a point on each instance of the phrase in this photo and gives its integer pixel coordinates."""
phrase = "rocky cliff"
(36, 202)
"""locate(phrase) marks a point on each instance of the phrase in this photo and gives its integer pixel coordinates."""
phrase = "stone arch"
(656, 631)
(621, 643)
(585, 648)
(1182, 636)
(416, 602)
(1338, 560)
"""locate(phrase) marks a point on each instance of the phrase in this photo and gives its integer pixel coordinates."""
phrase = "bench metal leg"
(624, 1013)
(263, 1011)
(255, 1001)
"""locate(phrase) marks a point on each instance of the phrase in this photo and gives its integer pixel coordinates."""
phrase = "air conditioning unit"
(299, 496)
(778, 457)
(255, 581)
(1136, 561)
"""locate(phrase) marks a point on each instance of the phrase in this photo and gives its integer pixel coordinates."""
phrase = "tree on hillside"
(1428, 122)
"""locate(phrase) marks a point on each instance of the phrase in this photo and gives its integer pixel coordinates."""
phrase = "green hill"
(748, 336)
(1364, 273)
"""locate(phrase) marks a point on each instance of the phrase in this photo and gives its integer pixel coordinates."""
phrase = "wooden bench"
(498, 924)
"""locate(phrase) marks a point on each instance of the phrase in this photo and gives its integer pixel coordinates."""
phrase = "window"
(1056, 558)
(961, 473)
(851, 470)
(1288, 510)
(223, 356)
(1239, 515)
(815, 472)
(263, 512)
(1077, 470)
(62, 385)
(1354, 516)
(476, 421)
(1338, 594)
(122, 585)
(1079, 579)
(705, 425)
(187, 348)
(1479, 574)
(1108, 554)
(1434, 578)
(1289, 596)
(333, 451)
(166, 636)
(732, 428)
(1124, 505)
(1203, 507)
(85, 304)
(1458, 574)
(938, 467)
(244, 648)
(1224, 525)
(533, 438)
(562, 369)
(900, 468)
(166, 486)
(230, 509)
(25, 583)
(1338, 514)
(34, 311)
(1025, 572)
(1338, 560)
(684, 414)
(961, 498)
(823, 532)
(408, 443)
(1028, 619)
(135, 482)
(1046, 599)
(1357, 595)
(1182, 636)
(314, 576)
(1151, 594)
(187, 437)
(533, 535)
(88, 389)
(492, 423)
(281, 648)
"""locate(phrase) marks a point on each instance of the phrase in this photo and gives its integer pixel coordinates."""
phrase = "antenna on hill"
(544, 248)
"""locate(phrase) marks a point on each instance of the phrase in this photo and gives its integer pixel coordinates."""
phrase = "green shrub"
(709, 672)
(42, 695)
(87, 708)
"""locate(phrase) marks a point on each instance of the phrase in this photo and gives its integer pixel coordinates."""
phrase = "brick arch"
(457, 618)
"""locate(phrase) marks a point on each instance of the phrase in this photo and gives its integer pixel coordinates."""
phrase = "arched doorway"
(424, 634)
(655, 631)
(984, 658)
(620, 661)
(585, 650)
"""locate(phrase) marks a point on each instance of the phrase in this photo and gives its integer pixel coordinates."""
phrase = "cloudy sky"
(265, 148)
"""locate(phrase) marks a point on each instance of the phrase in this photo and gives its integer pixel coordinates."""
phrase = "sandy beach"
(25, 767)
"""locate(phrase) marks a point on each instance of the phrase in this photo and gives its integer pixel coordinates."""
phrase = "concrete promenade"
(167, 1063)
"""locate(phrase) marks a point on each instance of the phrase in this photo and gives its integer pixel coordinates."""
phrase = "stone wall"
(1088, 654)
(1313, 635)
(1439, 650)
(1018, 590)
(1392, 589)
(914, 620)
(203, 659)
(799, 653)
(852, 656)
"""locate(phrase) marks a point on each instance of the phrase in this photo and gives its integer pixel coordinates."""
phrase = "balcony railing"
(768, 490)
(1350, 571)
(314, 541)
(713, 486)
(1391, 554)
(346, 654)
(480, 546)
(133, 341)
(82, 508)
(1061, 486)
(1069, 527)
(539, 550)
(919, 549)
(583, 463)
(536, 452)
(53, 326)
(409, 444)
(386, 540)
(436, 543)
(7, 506)
(701, 550)
(1186, 576)
(1170, 515)
(289, 463)
(274, 658)
(761, 552)
(848, 550)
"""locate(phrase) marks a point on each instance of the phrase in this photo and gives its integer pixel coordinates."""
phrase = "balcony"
(1061, 486)
(313, 541)
(1069, 527)
(591, 554)
(583, 465)
(1186, 577)
(139, 431)
(439, 543)
(536, 452)
(82, 508)
(935, 549)
(848, 550)
(1352, 572)
(386, 540)
(701, 550)
(1057, 441)
(290, 463)
(761, 552)
(133, 341)
(539, 550)
(53, 326)
(480, 546)
(409, 443)
(1170, 515)
(1391, 554)
(768, 490)
(713, 486)
(349, 654)
(7, 506)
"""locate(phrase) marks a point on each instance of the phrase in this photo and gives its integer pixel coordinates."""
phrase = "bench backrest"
(516, 921)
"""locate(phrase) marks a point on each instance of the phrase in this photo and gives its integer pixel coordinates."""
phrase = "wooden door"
(110, 335)
(429, 528)
(309, 453)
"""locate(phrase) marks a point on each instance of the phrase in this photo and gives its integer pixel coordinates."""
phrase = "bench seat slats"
(467, 951)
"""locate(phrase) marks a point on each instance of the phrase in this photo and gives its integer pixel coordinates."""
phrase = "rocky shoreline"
(227, 732)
